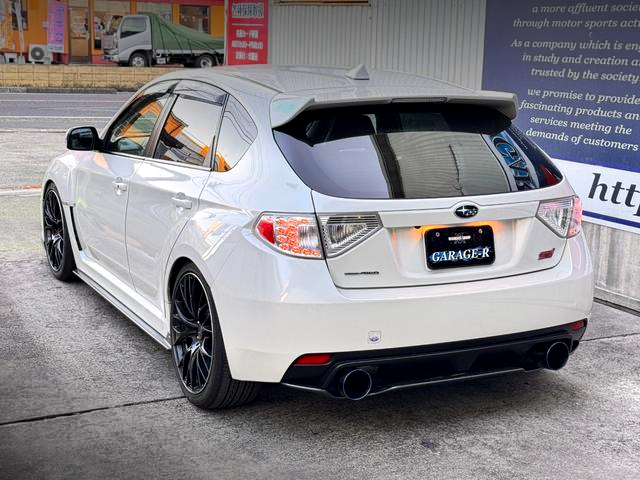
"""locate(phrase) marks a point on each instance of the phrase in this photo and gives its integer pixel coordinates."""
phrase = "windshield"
(412, 151)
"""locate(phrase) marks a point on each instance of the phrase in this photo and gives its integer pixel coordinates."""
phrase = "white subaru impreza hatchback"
(329, 229)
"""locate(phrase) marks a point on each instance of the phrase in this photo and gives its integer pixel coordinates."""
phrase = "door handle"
(119, 186)
(181, 201)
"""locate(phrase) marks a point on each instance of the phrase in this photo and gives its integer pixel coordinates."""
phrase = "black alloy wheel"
(197, 348)
(56, 236)
(192, 333)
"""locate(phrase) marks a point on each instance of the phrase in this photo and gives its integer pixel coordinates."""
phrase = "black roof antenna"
(359, 72)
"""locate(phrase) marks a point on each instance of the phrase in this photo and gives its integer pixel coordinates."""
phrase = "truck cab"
(131, 43)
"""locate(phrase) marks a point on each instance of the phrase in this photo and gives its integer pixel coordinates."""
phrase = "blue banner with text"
(575, 67)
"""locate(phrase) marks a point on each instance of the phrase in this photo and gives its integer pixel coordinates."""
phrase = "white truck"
(146, 39)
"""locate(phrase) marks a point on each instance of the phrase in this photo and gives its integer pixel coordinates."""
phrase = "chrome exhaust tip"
(557, 356)
(355, 384)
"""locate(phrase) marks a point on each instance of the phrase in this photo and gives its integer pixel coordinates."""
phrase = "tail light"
(341, 232)
(563, 216)
(295, 235)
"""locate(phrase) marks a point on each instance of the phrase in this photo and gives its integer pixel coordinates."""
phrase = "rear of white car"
(443, 245)
(327, 229)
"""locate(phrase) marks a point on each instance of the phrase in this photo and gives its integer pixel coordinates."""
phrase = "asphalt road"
(33, 126)
(57, 111)
(84, 394)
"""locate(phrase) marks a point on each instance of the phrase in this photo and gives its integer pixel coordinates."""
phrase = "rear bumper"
(409, 367)
(289, 307)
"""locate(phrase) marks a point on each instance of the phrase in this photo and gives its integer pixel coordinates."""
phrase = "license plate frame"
(459, 247)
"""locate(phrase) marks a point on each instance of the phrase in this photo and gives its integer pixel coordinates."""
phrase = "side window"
(131, 26)
(188, 133)
(131, 132)
(237, 133)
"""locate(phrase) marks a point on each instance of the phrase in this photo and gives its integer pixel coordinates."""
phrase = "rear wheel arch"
(46, 184)
(219, 389)
(173, 274)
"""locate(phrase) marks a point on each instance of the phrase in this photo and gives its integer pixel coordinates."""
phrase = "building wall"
(617, 268)
(439, 38)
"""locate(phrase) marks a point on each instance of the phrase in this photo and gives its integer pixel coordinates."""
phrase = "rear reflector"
(580, 324)
(313, 359)
(546, 254)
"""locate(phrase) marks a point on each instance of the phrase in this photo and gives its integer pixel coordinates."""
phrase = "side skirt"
(124, 310)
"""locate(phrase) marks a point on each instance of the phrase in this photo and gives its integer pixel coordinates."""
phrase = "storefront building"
(88, 20)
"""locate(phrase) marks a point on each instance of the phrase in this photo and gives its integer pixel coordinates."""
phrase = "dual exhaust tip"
(356, 384)
(556, 356)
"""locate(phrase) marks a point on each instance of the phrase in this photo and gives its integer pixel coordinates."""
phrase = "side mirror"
(83, 138)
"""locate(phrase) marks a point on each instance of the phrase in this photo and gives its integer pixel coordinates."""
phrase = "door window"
(131, 26)
(187, 135)
(237, 133)
(131, 132)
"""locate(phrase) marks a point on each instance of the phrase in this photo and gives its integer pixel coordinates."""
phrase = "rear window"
(412, 151)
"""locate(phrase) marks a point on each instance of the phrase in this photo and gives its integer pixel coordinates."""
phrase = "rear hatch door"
(428, 194)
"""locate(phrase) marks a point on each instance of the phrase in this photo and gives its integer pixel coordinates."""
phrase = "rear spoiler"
(285, 108)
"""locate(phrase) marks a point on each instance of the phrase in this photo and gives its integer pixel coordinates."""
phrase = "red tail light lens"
(313, 359)
(576, 218)
(295, 235)
(563, 216)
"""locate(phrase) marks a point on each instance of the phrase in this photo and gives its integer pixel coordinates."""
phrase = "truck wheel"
(138, 60)
(205, 61)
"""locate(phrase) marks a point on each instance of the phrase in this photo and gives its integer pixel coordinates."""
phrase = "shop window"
(106, 18)
(163, 10)
(196, 18)
(23, 14)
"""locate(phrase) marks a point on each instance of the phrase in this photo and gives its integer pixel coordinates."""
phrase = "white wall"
(439, 38)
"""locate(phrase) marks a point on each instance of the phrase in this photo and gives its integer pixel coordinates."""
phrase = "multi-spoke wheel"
(198, 350)
(56, 236)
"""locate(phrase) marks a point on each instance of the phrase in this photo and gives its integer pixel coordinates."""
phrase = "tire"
(197, 346)
(138, 60)
(205, 61)
(57, 246)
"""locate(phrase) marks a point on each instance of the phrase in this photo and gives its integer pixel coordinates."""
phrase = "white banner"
(609, 196)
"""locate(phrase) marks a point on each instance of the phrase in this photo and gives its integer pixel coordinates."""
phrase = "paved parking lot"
(85, 394)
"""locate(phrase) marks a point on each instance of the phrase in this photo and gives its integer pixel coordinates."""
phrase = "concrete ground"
(85, 394)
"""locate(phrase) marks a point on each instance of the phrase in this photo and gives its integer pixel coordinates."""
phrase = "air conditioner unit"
(39, 54)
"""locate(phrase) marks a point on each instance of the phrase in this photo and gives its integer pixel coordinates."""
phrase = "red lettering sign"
(247, 32)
